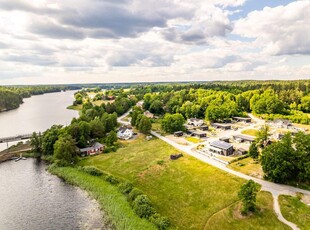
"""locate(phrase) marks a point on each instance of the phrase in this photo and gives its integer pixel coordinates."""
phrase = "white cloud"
(280, 30)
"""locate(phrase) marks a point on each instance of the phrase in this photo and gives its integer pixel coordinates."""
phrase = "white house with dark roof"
(195, 122)
(125, 133)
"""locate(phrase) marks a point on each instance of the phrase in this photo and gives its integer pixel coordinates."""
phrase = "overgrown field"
(295, 211)
(230, 218)
(186, 191)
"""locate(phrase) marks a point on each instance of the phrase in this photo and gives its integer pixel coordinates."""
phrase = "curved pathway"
(273, 188)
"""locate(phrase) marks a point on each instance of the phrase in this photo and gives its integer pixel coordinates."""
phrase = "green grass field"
(187, 191)
(193, 139)
(251, 132)
(295, 211)
(115, 205)
(248, 166)
(264, 218)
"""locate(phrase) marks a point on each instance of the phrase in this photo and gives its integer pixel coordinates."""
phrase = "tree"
(248, 194)
(97, 130)
(278, 160)
(157, 107)
(253, 150)
(173, 122)
(145, 125)
(36, 143)
(263, 135)
(65, 151)
(50, 136)
(111, 138)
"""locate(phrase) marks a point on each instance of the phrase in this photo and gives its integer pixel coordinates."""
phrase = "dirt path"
(276, 207)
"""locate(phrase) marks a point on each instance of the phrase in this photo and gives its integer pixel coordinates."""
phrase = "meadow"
(187, 191)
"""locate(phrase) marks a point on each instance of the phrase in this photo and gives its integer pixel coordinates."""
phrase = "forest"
(217, 101)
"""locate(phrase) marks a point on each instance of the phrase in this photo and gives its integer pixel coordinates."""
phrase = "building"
(221, 126)
(198, 133)
(140, 104)
(92, 150)
(148, 114)
(221, 147)
(125, 133)
(204, 128)
(225, 139)
(195, 122)
(282, 123)
(241, 151)
(178, 134)
(243, 119)
(243, 138)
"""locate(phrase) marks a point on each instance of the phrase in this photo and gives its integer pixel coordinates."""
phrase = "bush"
(161, 222)
(61, 163)
(92, 171)
(125, 187)
(142, 206)
(111, 179)
(133, 195)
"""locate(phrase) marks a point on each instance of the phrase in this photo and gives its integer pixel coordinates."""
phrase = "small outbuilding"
(178, 134)
(221, 126)
(204, 128)
(243, 138)
(243, 119)
(225, 139)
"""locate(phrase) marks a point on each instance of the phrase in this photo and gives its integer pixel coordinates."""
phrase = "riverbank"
(112, 202)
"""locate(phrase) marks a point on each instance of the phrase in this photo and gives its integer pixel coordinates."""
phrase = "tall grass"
(113, 203)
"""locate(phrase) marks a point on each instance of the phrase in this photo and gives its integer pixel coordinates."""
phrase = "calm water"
(31, 198)
(37, 113)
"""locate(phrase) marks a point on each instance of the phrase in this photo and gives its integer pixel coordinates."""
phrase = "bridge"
(15, 138)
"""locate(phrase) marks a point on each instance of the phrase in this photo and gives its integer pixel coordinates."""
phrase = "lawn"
(251, 132)
(303, 126)
(248, 166)
(187, 191)
(264, 218)
(193, 139)
(295, 211)
(75, 107)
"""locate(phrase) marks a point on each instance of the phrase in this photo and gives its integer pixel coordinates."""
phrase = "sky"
(107, 41)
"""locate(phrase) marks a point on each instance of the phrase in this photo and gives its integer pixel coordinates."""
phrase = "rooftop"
(221, 145)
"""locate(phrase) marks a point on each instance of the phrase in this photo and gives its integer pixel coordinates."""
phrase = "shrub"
(160, 162)
(133, 195)
(92, 170)
(111, 179)
(125, 187)
(161, 222)
(142, 206)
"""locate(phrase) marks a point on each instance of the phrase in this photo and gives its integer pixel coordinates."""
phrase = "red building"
(92, 150)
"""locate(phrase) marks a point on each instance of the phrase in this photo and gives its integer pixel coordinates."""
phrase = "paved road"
(273, 188)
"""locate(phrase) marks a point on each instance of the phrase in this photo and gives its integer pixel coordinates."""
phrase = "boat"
(24, 158)
(18, 159)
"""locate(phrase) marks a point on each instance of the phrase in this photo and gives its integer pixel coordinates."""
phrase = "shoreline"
(112, 202)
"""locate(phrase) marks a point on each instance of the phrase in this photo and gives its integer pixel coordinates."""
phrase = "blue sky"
(52, 42)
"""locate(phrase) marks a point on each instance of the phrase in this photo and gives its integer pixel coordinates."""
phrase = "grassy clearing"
(75, 107)
(248, 166)
(295, 211)
(251, 132)
(193, 139)
(264, 218)
(110, 199)
(186, 191)
(304, 127)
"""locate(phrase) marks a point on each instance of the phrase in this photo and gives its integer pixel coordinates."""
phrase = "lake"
(37, 113)
(31, 198)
